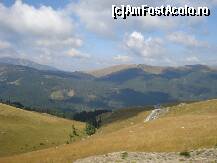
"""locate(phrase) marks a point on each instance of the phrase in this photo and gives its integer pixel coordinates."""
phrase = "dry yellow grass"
(24, 131)
(185, 127)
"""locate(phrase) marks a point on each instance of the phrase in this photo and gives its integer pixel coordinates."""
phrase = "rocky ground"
(198, 156)
(156, 113)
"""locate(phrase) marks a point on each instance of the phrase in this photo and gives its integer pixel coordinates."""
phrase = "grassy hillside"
(117, 68)
(24, 131)
(185, 127)
(110, 70)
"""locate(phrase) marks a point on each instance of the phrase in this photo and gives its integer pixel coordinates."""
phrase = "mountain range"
(112, 88)
(25, 62)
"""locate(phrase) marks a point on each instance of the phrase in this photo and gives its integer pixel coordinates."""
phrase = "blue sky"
(82, 35)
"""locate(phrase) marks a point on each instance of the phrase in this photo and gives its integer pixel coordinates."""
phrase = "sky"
(75, 35)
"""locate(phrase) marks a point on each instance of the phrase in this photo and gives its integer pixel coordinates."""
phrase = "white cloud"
(4, 44)
(74, 53)
(185, 39)
(122, 58)
(96, 15)
(155, 23)
(49, 35)
(150, 47)
(25, 19)
(74, 42)
(192, 59)
(42, 34)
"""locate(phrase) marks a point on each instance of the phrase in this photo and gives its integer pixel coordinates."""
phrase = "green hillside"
(57, 91)
(23, 131)
(64, 93)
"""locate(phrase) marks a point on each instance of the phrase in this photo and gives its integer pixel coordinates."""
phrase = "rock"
(156, 113)
(201, 155)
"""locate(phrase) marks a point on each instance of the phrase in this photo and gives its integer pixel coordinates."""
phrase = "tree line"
(92, 118)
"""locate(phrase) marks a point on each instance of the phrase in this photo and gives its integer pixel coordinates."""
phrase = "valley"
(135, 108)
(105, 81)
(65, 93)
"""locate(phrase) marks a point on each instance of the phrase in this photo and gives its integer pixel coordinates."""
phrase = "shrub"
(73, 133)
(41, 143)
(90, 129)
(124, 155)
(185, 153)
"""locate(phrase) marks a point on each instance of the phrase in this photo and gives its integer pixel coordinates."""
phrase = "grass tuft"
(185, 154)
(124, 155)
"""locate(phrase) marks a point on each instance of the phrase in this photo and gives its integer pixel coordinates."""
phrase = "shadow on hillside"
(123, 114)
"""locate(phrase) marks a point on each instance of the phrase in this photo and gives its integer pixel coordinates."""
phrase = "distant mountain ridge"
(146, 68)
(27, 63)
(68, 92)
(114, 69)
(108, 70)
(101, 73)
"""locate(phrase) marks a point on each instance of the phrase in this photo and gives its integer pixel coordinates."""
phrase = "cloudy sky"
(82, 35)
